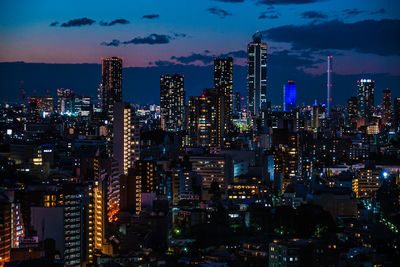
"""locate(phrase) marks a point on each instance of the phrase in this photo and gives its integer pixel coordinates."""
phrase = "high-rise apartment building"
(147, 170)
(203, 119)
(257, 74)
(126, 139)
(366, 98)
(172, 102)
(131, 193)
(289, 96)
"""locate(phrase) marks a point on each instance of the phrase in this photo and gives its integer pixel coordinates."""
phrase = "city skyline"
(200, 133)
(152, 39)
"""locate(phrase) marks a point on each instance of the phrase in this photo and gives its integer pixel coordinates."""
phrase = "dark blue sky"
(165, 36)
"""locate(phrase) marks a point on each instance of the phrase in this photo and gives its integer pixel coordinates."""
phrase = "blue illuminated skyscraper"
(289, 96)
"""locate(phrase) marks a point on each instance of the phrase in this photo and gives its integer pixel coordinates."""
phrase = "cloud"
(287, 60)
(151, 16)
(179, 35)
(264, 15)
(151, 39)
(270, 13)
(163, 63)
(78, 22)
(286, 2)
(379, 11)
(114, 42)
(53, 24)
(117, 21)
(219, 12)
(207, 58)
(368, 36)
(352, 12)
(313, 15)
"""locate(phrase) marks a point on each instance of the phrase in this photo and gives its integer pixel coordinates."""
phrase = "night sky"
(156, 36)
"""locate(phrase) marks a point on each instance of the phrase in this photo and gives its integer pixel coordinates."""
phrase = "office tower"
(111, 89)
(172, 102)
(396, 112)
(315, 115)
(352, 107)
(256, 74)
(289, 96)
(223, 82)
(63, 95)
(329, 87)
(126, 146)
(366, 98)
(386, 106)
(203, 120)
(366, 183)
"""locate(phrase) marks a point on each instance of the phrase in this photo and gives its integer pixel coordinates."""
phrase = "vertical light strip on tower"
(329, 88)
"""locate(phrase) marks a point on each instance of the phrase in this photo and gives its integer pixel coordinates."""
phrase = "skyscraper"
(111, 89)
(365, 98)
(126, 147)
(315, 116)
(203, 119)
(386, 106)
(256, 74)
(289, 96)
(223, 82)
(172, 102)
(329, 87)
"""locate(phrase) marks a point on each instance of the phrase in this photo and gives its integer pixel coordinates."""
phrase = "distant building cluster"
(209, 180)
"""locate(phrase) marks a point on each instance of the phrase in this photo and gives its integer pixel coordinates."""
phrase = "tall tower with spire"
(329, 87)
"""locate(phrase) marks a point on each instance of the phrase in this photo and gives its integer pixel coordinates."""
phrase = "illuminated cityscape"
(211, 137)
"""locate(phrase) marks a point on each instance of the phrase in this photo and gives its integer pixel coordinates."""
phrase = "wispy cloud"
(114, 22)
(222, 13)
(78, 22)
(151, 16)
(151, 39)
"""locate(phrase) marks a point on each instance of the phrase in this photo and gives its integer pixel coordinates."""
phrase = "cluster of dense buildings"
(214, 182)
